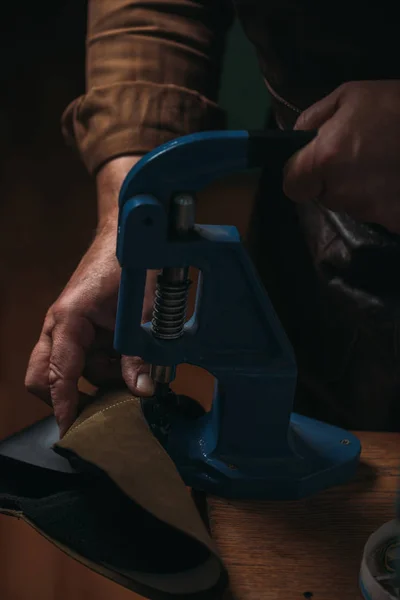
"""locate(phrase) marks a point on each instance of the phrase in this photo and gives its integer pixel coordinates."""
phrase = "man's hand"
(353, 164)
(77, 335)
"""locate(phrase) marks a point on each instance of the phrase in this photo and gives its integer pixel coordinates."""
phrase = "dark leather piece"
(34, 446)
(122, 509)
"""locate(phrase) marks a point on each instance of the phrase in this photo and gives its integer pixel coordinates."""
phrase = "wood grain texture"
(285, 551)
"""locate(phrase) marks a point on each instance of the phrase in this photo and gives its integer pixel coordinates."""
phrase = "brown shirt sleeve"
(152, 73)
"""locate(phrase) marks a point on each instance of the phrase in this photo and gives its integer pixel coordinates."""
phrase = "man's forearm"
(109, 180)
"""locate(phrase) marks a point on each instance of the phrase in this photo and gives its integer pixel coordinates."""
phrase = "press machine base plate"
(320, 455)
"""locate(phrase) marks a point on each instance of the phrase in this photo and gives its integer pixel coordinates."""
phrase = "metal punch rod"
(170, 305)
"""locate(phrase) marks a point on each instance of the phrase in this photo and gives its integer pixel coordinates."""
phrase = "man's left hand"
(353, 164)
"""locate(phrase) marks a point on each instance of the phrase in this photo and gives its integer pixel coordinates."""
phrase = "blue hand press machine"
(251, 444)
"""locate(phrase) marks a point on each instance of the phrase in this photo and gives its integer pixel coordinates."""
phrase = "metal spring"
(169, 312)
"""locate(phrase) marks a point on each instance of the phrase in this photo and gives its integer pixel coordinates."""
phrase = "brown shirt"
(152, 74)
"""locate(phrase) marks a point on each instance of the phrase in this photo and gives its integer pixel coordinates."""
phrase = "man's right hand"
(77, 335)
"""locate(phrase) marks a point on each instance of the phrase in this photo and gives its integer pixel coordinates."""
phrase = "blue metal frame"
(250, 444)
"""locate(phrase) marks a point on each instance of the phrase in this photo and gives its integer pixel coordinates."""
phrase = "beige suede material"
(112, 434)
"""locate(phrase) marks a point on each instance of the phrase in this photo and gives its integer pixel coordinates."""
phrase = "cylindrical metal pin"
(171, 296)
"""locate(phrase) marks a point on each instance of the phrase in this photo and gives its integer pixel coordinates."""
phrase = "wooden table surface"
(310, 548)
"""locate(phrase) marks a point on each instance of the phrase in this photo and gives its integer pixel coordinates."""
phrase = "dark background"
(47, 204)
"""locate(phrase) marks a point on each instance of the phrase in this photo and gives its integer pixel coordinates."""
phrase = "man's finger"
(136, 376)
(71, 340)
(302, 180)
(37, 373)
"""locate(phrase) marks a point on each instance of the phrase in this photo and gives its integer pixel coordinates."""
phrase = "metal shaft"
(170, 305)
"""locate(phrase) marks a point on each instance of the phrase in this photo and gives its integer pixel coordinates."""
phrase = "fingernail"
(145, 385)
